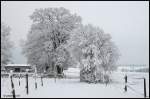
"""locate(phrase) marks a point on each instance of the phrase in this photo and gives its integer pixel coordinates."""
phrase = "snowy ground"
(72, 87)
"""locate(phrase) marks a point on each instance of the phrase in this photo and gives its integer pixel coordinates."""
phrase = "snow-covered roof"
(18, 65)
(73, 69)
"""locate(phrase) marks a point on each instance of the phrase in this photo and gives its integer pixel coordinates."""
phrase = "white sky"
(126, 21)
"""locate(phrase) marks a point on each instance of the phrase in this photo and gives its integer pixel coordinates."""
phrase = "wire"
(133, 83)
(135, 90)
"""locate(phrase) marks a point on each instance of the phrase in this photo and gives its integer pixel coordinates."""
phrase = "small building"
(18, 68)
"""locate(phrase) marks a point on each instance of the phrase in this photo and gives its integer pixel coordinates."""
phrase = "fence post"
(35, 82)
(35, 77)
(55, 73)
(27, 87)
(144, 87)
(125, 83)
(55, 77)
(35, 85)
(41, 80)
(13, 89)
(19, 80)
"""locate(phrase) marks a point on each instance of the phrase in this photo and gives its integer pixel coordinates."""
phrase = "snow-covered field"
(72, 87)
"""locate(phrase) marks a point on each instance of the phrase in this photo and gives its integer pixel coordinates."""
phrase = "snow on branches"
(99, 54)
(58, 38)
(48, 34)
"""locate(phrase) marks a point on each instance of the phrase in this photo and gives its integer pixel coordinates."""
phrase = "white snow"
(72, 87)
(18, 65)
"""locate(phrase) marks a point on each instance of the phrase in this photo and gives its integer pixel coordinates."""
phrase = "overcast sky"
(126, 21)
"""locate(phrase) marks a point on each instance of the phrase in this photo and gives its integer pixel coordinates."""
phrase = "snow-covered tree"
(48, 35)
(6, 44)
(96, 53)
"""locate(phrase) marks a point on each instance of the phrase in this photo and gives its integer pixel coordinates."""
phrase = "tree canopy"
(49, 32)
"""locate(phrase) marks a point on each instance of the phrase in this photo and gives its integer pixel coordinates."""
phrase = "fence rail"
(129, 84)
